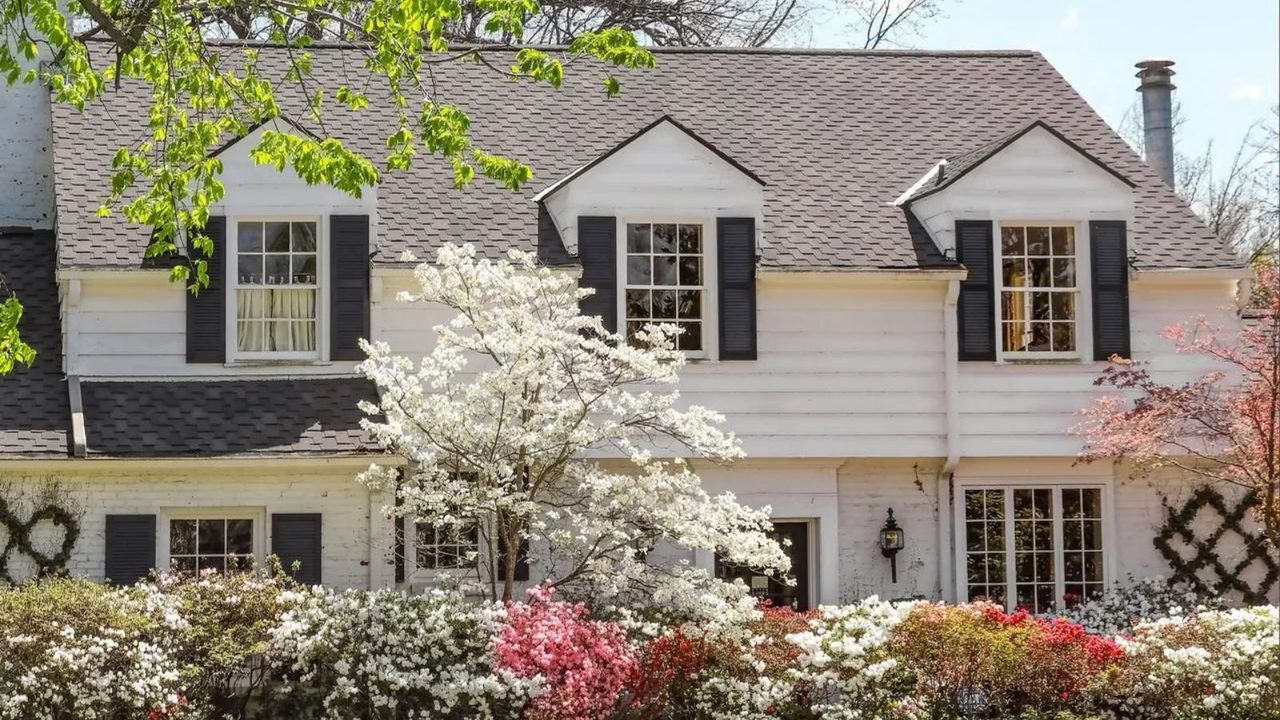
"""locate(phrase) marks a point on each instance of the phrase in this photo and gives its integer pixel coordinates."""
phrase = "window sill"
(1043, 361)
(282, 362)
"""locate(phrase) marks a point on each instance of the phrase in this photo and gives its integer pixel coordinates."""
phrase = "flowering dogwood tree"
(1223, 427)
(529, 425)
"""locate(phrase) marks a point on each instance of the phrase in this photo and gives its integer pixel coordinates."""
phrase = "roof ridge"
(659, 49)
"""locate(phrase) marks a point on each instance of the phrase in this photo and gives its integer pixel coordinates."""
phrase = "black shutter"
(131, 548)
(736, 238)
(522, 562)
(348, 285)
(976, 305)
(207, 311)
(598, 251)
(295, 537)
(1110, 264)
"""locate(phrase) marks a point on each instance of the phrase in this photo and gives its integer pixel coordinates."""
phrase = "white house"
(899, 273)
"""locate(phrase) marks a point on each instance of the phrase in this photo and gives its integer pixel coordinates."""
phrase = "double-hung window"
(277, 289)
(666, 281)
(1038, 547)
(1038, 291)
(446, 547)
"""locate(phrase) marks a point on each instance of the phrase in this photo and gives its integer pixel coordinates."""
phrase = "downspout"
(951, 402)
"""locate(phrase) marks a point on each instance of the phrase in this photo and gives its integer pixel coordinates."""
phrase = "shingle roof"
(35, 412)
(836, 137)
(234, 417)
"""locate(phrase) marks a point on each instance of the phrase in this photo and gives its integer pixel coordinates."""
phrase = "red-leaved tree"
(1223, 427)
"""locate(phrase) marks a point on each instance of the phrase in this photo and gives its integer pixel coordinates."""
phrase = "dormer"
(1041, 225)
(665, 225)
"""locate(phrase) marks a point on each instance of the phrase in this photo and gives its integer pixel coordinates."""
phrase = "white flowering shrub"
(505, 418)
(387, 654)
(1215, 664)
(847, 662)
(71, 650)
(1121, 606)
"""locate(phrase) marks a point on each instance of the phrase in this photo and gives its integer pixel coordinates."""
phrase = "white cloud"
(1246, 91)
(1071, 21)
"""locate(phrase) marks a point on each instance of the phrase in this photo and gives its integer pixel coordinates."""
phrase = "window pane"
(304, 237)
(1012, 241)
(212, 536)
(664, 304)
(690, 239)
(995, 504)
(632, 329)
(690, 271)
(1013, 306)
(637, 238)
(638, 270)
(1092, 502)
(973, 504)
(974, 532)
(995, 536)
(1037, 241)
(691, 338)
(977, 568)
(240, 536)
(1040, 305)
(1092, 530)
(1039, 269)
(216, 563)
(277, 237)
(250, 269)
(183, 565)
(995, 568)
(1063, 305)
(638, 304)
(277, 269)
(304, 269)
(1070, 503)
(1064, 337)
(690, 304)
(1044, 503)
(182, 537)
(1072, 535)
(664, 238)
(1015, 272)
(1064, 240)
(1064, 273)
(664, 270)
(1039, 338)
(250, 237)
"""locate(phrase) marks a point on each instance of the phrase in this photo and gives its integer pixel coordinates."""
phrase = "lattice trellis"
(1256, 549)
(19, 539)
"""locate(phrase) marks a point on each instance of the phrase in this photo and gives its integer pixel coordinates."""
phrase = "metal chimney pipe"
(1156, 86)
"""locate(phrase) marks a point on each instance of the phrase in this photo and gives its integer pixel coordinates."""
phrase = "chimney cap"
(1155, 72)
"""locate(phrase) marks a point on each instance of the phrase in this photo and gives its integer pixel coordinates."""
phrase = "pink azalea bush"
(584, 663)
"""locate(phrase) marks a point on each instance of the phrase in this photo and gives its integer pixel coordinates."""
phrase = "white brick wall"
(345, 506)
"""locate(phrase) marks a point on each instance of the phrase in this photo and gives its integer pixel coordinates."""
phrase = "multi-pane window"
(666, 280)
(445, 547)
(1038, 289)
(276, 287)
(1037, 548)
(212, 543)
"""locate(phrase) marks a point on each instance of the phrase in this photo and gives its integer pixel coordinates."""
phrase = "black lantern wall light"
(892, 540)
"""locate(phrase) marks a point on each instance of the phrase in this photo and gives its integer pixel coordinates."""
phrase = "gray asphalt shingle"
(35, 413)
(836, 136)
(232, 417)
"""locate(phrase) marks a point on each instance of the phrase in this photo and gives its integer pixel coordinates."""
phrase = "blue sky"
(1227, 52)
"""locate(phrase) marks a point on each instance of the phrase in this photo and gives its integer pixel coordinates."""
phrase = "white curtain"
(274, 320)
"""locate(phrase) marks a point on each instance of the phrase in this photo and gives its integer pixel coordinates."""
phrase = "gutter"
(951, 401)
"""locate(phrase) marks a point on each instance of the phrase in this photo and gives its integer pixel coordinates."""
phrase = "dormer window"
(666, 280)
(277, 289)
(1038, 291)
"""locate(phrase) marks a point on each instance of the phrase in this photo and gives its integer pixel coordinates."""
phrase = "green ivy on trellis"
(19, 539)
(1178, 524)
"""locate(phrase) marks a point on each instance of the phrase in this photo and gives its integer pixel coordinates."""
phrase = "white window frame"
(1083, 297)
(232, 276)
(1008, 485)
(710, 277)
(415, 572)
(256, 515)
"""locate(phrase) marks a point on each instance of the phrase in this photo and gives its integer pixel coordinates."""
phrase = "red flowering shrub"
(1017, 661)
(585, 663)
(668, 674)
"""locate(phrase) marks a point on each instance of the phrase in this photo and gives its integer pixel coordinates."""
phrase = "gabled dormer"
(1041, 225)
(665, 226)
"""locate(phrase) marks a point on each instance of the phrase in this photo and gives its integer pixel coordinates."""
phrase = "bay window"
(277, 289)
(1037, 548)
